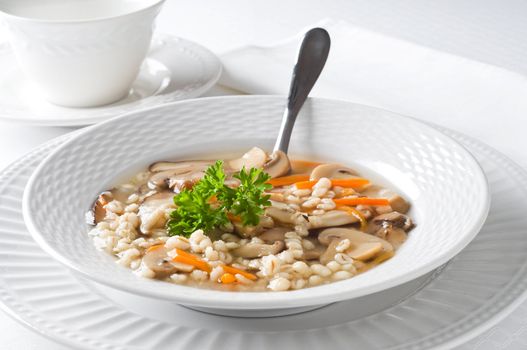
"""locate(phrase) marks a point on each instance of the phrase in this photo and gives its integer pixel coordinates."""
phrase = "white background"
(489, 31)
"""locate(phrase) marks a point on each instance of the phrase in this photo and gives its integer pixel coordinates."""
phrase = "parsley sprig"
(207, 204)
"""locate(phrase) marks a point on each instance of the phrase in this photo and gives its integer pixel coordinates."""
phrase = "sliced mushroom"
(160, 180)
(285, 215)
(257, 250)
(392, 227)
(246, 231)
(313, 254)
(393, 218)
(152, 210)
(232, 182)
(396, 237)
(185, 181)
(365, 251)
(332, 171)
(363, 246)
(159, 199)
(277, 165)
(98, 212)
(333, 218)
(251, 231)
(165, 175)
(397, 203)
(274, 234)
(254, 158)
(180, 167)
(158, 261)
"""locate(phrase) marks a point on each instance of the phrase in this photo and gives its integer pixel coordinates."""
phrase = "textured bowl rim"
(264, 300)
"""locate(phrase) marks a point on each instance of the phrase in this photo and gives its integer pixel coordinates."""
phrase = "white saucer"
(175, 69)
(475, 290)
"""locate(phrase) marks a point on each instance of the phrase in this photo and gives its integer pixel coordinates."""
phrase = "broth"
(312, 223)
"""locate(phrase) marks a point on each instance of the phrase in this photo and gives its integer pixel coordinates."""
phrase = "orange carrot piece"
(154, 247)
(187, 254)
(234, 271)
(361, 200)
(287, 180)
(302, 185)
(356, 182)
(190, 259)
(234, 218)
(199, 264)
(227, 278)
(356, 213)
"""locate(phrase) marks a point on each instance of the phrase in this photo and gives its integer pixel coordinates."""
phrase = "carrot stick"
(287, 180)
(190, 259)
(361, 200)
(199, 264)
(302, 185)
(234, 271)
(355, 182)
(227, 278)
(187, 254)
(355, 213)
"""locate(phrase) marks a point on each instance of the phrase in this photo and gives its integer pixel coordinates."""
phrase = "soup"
(255, 223)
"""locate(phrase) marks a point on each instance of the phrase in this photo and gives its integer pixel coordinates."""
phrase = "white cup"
(80, 53)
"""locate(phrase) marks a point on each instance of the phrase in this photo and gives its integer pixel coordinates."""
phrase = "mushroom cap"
(257, 250)
(394, 219)
(159, 199)
(167, 174)
(333, 218)
(179, 167)
(246, 231)
(396, 236)
(274, 234)
(277, 165)
(392, 227)
(98, 212)
(332, 171)
(158, 261)
(184, 181)
(315, 253)
(365, 251)
(284, 215)
(363, 246)
(254, 158)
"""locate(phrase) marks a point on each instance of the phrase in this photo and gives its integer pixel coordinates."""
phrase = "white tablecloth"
(489, 31)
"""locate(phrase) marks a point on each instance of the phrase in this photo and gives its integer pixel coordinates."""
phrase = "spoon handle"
(311, 59)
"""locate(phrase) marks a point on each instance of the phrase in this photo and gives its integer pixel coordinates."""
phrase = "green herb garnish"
(207, 204)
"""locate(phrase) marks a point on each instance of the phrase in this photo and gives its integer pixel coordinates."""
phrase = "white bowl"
(445, 185)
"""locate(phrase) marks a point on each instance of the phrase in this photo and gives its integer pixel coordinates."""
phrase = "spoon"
(311, 59)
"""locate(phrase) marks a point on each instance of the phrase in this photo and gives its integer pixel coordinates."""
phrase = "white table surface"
(495, 29)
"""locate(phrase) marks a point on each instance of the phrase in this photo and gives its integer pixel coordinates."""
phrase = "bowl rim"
(98, 19)
(277, 300)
